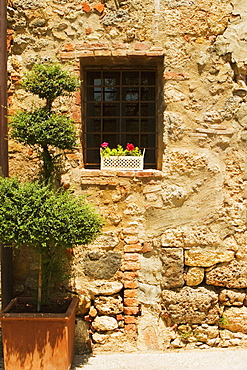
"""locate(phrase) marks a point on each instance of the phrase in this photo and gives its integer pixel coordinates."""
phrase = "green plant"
(50, 222)
(42, 128)
(223, 321)
(130, 150)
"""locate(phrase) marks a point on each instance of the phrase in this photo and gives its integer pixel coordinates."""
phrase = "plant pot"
(122, 163)
(38, 341)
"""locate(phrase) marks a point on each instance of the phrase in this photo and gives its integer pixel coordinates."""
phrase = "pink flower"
(130, 147)
(104, 144)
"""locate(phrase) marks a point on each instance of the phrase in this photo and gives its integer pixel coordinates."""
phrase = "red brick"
(130, 319)
(88, 30)
(147, 247)
(131, 239)
(66, 55)
(131, 256)
(131, 310)
(130, 327)
(130, 284)
(130, 293)
(86, 7)
(68, 47)
(133, 247)
(78, 98)
(130, 266)
(131, 302)
(99, 7)
(119, 317)
(141, 46)
(130, 275)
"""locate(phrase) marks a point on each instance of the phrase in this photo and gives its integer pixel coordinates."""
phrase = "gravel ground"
(215, 359)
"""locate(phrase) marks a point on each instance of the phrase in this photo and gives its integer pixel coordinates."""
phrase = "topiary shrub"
(50, 222)
(43, 129)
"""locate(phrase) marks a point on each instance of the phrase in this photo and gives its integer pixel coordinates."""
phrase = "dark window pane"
(133, 139)
(147, 109)
(147, 78)
(148, 125)
(111, 94)
(149, 158)
(132, 125)
(93, 155)
(130, 93)
(111, 139)
(131, 78)
(147, 93)
(93, 140)
(130, 109)
(93, 125)
(111, 110)
(93, 93)
(110, 125)
(93, 78)
(147, 141)
(93, 110)
(111, 78)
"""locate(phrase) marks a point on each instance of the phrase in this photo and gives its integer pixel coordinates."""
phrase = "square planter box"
(38, 341)
(122, 163)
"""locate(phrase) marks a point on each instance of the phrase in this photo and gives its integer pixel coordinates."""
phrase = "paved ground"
(215, 359)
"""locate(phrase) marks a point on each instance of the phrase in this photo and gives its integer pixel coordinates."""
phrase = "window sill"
(112, 173)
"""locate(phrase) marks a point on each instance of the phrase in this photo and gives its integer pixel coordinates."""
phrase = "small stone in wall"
(106, 241)
(230, 275)
(108, 305)
(104, 323)
(173, 267)
(103, 267)
(194, 276)
(235, 319)
(106, 288)
(229, 297)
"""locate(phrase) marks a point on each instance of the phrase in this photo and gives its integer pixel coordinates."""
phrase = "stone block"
(190, 306)
(108, 305)
(102, 266)
(208, 256)
(173, 267)
(235, 319)
(194, 276)
(232, 297)
(104, 323)
(230, 275)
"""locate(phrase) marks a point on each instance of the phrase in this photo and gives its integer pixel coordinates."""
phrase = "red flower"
(104, 144)
(130, 147)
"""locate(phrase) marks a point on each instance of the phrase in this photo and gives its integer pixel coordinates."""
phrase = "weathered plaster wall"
(170, 268)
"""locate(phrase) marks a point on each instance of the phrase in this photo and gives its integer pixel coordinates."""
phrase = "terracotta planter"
(38, 341)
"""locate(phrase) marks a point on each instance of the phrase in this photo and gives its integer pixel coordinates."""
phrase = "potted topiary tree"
(51, 222)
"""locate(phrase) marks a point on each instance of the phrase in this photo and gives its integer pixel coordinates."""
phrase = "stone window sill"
(112, 173)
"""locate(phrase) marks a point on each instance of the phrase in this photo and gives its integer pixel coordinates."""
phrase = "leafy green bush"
(43, 129)
(49, 221)
(49, 81)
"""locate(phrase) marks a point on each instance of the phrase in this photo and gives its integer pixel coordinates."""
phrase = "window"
(120, 107)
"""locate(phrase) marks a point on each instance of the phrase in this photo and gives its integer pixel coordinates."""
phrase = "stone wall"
(169, 270)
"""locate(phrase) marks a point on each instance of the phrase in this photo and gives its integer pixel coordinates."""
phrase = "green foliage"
(119, 151)
(49, 81)
(223, 321)
(42, 128)
(49, 221)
